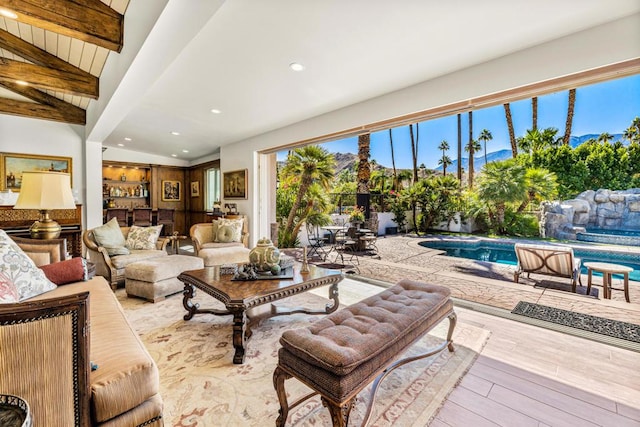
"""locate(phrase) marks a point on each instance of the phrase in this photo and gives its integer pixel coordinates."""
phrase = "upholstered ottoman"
(225, 253)
(154, 279)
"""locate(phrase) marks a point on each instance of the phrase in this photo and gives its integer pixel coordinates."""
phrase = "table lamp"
(45, 191)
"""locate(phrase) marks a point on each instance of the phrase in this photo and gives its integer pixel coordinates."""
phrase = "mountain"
(505, 154)
(574, 141)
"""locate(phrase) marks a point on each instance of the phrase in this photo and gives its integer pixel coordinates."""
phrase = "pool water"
(503, 253)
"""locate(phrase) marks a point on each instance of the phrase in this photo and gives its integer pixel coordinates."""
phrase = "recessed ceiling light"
(296, 66)
(120, 145)
(175, 133)
(174, 155)
(215, 111)
(22, 83)
(127, 139)
(185, 151)
(8, 14)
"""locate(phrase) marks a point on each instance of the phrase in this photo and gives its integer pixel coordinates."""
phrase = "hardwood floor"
(530, 376)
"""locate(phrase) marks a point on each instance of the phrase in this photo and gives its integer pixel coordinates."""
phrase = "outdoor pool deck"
(492, 284)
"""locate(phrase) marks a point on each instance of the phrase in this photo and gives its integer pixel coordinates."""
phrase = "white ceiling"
(238, 62)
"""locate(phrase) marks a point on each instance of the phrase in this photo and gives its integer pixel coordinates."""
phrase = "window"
(212, 186)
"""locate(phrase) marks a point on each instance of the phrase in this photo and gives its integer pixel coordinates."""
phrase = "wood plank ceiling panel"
(59, 34)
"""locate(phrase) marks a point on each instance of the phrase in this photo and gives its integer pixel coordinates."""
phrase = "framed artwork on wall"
(14, 164)
(195, 188)
(234, 184)
(171, 191)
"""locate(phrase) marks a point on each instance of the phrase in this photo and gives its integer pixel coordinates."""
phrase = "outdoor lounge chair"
(556, 261)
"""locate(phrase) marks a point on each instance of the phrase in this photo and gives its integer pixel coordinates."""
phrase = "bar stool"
(166, 217)
(121, 214)
(142, 217)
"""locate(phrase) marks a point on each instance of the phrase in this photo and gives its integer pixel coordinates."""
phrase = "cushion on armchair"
(143, 237)
(228, 230)
(68, 271)
(18, 273)
(110, 237)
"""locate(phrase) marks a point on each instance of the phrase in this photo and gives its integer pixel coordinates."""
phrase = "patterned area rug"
(586, 322)
(202, 387)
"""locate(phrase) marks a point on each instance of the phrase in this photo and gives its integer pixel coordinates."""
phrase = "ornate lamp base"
(46, 228)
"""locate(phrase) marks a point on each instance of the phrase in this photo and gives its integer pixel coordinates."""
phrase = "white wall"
(607, 44)
(42, 137)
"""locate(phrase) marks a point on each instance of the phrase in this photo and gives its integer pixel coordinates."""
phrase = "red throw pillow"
(69, 271)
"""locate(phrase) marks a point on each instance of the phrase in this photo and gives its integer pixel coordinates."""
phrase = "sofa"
(110, 264)
(51, 341)
(222, 241)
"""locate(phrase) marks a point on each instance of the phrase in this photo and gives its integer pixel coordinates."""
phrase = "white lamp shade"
(45, 190)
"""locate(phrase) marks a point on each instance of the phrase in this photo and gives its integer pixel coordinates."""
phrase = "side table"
(607, 271)
(175, 241)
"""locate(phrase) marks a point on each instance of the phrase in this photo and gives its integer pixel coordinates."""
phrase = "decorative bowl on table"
(14, 411)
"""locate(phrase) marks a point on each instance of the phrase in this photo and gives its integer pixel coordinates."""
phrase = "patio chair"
(316, 242)
(556, 261)
(346, 245)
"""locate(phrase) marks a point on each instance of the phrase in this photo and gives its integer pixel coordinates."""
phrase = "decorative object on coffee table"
(14, 411)
(265, 256)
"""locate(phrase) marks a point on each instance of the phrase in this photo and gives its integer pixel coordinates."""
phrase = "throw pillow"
(20, 271)
(225, 234)
(143, 237)
(8, 291)
(68, 271)
(235, 224)
(110, 237)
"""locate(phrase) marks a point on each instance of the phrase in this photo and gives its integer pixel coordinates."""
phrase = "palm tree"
(414, 149)
(541, 185)
(501, 183)
(485, 136)
(364, 172)
(472, 147)
(512, 134)
(393, 163)
(605, 138)
(460, 148)
(307, 166)
(444, 162)
(632, 133)
(444, 147)
(570, 110)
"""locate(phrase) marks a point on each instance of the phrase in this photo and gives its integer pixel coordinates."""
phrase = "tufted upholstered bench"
(342, 353)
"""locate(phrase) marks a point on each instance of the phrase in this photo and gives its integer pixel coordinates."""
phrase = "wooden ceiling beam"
(42, 111)
(49, 79)
(88, 20)
(34, 54)
(70, 111)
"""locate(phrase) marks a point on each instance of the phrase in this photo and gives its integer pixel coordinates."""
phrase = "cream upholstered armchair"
(111, 266)
(223, 241)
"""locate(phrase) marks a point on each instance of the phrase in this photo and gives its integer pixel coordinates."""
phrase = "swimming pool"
(614, 237)
(503, 253)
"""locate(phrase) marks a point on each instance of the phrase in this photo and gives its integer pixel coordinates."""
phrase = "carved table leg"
(189, 292)
(333, 295)
(239, 338)
(339, 414)
(453, 319)
(279, 377)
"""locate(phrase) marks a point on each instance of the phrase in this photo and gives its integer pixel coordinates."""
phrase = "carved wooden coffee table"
(241, 296)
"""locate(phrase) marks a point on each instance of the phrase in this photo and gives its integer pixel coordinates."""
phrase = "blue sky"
(603, 107)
